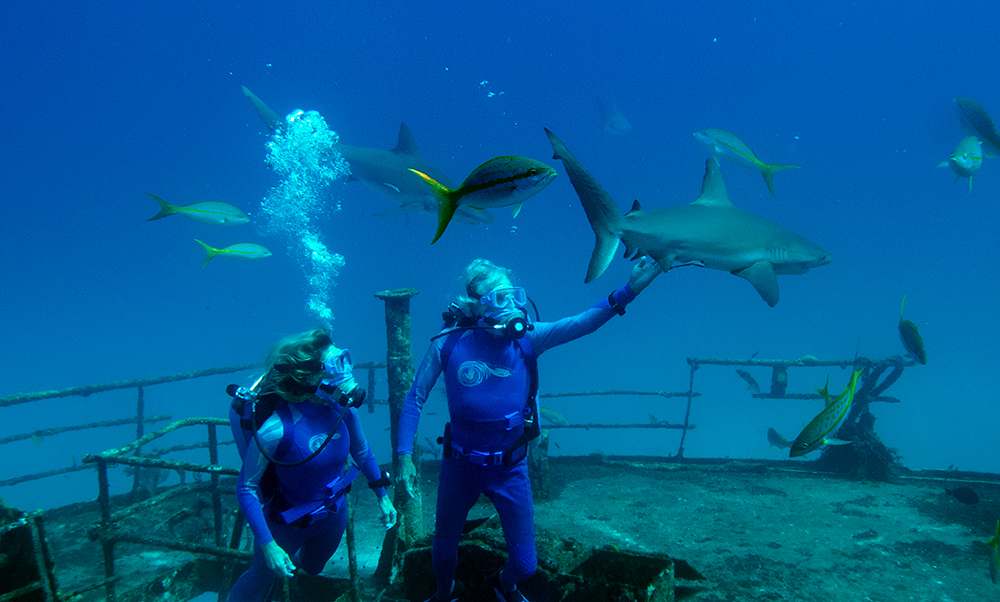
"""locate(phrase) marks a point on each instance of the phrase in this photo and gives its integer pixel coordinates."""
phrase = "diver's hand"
(407, 477)
(277, 560)
(388, 512)
(643, 273)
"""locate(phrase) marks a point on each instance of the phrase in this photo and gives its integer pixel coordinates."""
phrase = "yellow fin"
(447, 202)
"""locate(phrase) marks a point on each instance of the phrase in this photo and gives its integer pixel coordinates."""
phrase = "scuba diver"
(297, 429)
(487, 352)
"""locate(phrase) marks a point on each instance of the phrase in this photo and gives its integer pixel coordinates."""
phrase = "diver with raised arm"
(487, 353)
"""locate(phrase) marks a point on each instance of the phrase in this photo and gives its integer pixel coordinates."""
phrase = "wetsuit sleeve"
(248, 493)
(424, 381)
(547, 335)
(362, 454)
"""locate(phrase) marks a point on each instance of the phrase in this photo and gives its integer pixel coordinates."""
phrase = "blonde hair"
(295, 365)
(480, 277)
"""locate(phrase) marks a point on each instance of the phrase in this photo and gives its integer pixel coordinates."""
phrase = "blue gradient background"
(106, 101)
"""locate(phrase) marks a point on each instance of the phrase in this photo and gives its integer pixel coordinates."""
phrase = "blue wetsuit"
(308, 514)
(487, 386)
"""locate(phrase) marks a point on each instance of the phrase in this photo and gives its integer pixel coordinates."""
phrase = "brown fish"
(751, 383)
(912, 340)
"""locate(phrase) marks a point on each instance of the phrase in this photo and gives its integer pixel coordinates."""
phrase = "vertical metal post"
(43, 558)
(399, 366)
(213, 459)
(352, 556)
(140, 417)
(687, 414)
(107, 546)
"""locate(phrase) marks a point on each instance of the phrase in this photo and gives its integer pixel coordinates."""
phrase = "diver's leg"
(323, 538)
(255, 583)
(510, 492)
(458, 490)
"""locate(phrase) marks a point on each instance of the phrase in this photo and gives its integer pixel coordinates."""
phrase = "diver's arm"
(549, 334)
(363, 455)
(248, 492)
(423, 382)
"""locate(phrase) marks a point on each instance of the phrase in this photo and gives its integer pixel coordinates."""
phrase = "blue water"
(104, 102)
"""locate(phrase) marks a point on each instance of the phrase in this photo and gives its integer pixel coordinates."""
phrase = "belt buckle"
(478, 457)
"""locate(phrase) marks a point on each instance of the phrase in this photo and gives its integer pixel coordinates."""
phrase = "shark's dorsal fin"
(407, 144)
(713, 187)
(635, 207)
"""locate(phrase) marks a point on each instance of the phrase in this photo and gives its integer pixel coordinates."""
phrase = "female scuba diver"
(487, 352)
(295, 429)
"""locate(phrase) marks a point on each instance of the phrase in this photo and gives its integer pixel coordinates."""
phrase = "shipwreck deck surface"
(756, 531)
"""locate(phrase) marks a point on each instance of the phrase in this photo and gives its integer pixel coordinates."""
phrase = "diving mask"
(340, 388)
(505, 297)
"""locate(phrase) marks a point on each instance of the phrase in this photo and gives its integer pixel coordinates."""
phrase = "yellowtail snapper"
(912, 340)
(822, 428)
(209, 212)
(725, 145)
(246, 251)
(553, 416)
(503, 181)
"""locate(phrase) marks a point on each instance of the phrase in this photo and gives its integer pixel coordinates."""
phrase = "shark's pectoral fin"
(604, 252)
(665, 261)
(761, 276)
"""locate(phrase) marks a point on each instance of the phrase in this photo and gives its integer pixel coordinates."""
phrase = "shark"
(710, 232)
(388, 172)
(612, 119)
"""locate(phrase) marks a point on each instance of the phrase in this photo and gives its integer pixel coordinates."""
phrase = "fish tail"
(165, 208)
(601, 210)
(767, 170)
(446, 199)
(211, 251)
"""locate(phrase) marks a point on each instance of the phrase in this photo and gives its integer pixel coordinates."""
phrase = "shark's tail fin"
(602, 212)
(767, 170)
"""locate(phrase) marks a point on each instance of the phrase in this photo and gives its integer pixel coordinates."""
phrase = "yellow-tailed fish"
(966, 159)
(995, 557)
(209, 212)
(725, 145)
(499, 182)
(552, 416)
(245, 251)
(822, 428)
(912, 340)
